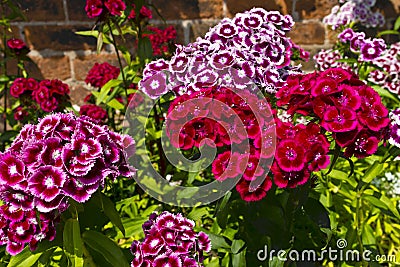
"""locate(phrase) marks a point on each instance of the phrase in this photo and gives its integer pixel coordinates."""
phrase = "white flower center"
(154, 84)
(49, 182)
(20, 230)
(13, 169)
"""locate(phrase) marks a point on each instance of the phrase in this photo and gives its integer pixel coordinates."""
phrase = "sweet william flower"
(169, 241)
(61, 157)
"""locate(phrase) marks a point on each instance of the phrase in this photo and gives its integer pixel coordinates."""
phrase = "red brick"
(83, 64)
(58, 38)
(78, 93)
(54, 67)
(42, 10)
(308, 33)
(183, 9)
(311, 9)
(235, 6)
(199, 30)
(76, 11)
(179, 9)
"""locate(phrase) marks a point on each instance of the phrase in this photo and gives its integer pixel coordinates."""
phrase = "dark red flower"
(290, 155)
(251, 193)
(339, 119)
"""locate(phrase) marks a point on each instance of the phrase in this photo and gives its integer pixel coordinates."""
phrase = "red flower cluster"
(100, 74)
(17, 46)
(97, 8)
(343, 105)
(93, 111)
(301, 149)
(144, 12)
(47, 93)
(160, 39)
(218, 116)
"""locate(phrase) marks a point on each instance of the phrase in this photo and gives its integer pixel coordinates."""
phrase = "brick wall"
(57, 52)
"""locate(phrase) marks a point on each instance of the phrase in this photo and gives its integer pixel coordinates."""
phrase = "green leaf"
(237, 246)
(4, 78)
(390, 205)
(93, 33)
(72, 242)
(24, 258)
(336, 154)
(372, 172)
(385, 93)
(198, 213)
(217, 241)
(145, 51)
(376, 202)
(239, 260)
(106, 247)
(106, 89)
(187, 193)
(396, 26)
(109, 210)
(387, 32)
(115, 104)
(99, 42)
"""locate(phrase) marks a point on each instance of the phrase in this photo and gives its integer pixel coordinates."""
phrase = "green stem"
(114, 41)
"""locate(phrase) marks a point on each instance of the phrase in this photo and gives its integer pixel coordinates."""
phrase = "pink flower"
(12, 170)
(46, 182)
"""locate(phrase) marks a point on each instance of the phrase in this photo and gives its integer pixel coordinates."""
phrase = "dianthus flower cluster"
(251, 48)
(61, 157)
(367, 48)
(343, 105)
(387, 74)
(170, 241)
(384, 59)
(97, 8)
(301, 149)
(93, 111)
(358, 11)
(144, 12)
(329, 58)
(160, 39)
(394, 130)
(218, 116)
(48, 94)
(17, 46)
(100, 74)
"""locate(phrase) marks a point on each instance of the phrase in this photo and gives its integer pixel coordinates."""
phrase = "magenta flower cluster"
(93, 111)
(101, 73)
(217, 116)
(394, 132)
(17, 46)
(384, 59)
(97, 8)
(343, 105)
(61, 157)
(170, 241)
(358, 11)
(301, 149)
(251, 48)
(160, 39)
(48, 94)
(387, 73)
